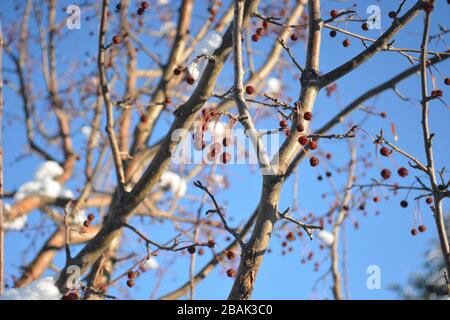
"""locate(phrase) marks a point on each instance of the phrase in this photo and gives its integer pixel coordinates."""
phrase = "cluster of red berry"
(189, 79)
(131, 281)
(333, 33)
(421, 228)
(261, 31)
(213, 11)
(209, 115)
(141, 10)
(88, 221)
(305, 141)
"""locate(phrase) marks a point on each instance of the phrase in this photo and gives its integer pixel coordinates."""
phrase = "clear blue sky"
(382, 240)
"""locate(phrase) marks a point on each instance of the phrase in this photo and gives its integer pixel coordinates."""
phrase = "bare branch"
(218, 210)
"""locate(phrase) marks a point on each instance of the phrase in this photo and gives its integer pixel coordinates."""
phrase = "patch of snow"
(49, 169)
(26, 190)
(219, 181)
(167, 27)
(151, 263)
(326, 237)
(66, 193)
(172, 181)
(193, 70)
(273, 85)
(217, 129)
(50, 188)
(44, 184)
(206, 46)
(78, 218)
(86, 131)
(16, 224)
(41, 289)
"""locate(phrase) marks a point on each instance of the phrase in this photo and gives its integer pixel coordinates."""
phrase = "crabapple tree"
(135, 127)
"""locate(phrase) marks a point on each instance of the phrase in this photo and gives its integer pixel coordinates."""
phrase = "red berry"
(447, 81)
(190, 80)
(130, 283)
(226, 156)
(385, 152)
(226, 142)
(428, 7)
(230, 255)
(386, 173)
(429, 200)
(333, 33)
(303, 140)
(313, 146)
(250, 90)
(404, 203)
(383, 114)
(265, 24)
(413, 231)
(376, 199)
(365, 26)
(230, 273)
(131, 274)
(117, 39)
(260, 31)
(211, 244)
(255, 37)
(144, 118)
(212, 11)
(86, 223)
(402, 172)
(300, 127)
(90, 217)
(294, 37)
(283, 124)
(140, 11)
(436, 93)
(191, 249)
(177, 71)
(313, 161)
(334, 13)
(307, 116)
(144, 5)
(346, 43)
(290, 236)
(422, 228)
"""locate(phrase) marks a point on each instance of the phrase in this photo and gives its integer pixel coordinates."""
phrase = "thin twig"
(106, 97)
(289, 52)
(2, 244)
(307, 227)
(232, 231)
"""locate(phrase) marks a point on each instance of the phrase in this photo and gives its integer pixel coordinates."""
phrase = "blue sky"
(382, 240)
